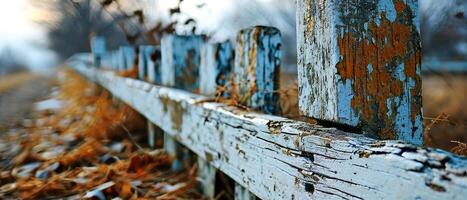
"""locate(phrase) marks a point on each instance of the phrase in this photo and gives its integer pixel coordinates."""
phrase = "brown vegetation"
(445, 115)
(87, 150)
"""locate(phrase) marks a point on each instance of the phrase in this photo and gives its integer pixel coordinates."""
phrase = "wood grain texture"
(359, 65)
(217, 61)
(279, 158)
(257, 68)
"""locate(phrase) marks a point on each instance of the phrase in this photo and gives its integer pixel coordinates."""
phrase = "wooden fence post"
(115, 60)
(154, 66)
(120, 59)
(143, 58)
(98, 50)
(359, 65)
(257, 68)
(128, 56)
(179, 69)
(180, 61)
(256, 75)
(148, 67)
(215, 67)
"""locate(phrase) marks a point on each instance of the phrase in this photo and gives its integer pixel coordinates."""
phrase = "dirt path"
(18, 92)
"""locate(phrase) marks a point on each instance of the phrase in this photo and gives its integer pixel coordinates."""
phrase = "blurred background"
(37, 35)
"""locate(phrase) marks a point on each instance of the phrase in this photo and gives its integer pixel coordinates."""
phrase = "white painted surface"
(278, 158)
(242, 193)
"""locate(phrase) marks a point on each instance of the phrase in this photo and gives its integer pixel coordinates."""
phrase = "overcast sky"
(20, 34)
(222, 18)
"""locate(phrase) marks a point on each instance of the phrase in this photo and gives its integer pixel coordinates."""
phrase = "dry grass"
(444, 98)
(87, 150)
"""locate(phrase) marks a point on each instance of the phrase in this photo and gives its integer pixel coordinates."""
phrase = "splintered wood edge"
(279, 158)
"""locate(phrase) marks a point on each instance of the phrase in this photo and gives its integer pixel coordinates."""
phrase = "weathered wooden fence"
(358, 64)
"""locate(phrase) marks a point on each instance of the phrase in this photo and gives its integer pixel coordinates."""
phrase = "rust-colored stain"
(176, 112)
(391, 44)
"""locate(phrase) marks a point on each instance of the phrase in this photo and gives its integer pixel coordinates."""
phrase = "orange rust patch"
(391, 44)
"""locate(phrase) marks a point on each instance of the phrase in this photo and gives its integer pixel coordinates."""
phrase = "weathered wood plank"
(217, 61)
(180, 61)
(257, 68)
(359, 65)
(242, 193)
(278, 158)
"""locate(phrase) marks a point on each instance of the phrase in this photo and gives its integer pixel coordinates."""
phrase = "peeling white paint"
(292, 160)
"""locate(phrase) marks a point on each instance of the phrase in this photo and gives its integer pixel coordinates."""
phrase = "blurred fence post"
(121, 59)
(257, 68)
(154, 66)
(128, 56)
(148, 67)
(144, 60)
(98, 50)
(115, 59)
(359, 65)
(179, 69)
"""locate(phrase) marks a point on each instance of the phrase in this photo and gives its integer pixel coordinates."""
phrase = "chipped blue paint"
(399, 72)
(403, 123)
(257, 67)
(216, 65)
(413, 4)
(388, 8)
(344, 107)
(369, 69)
(388, 105)
(324, 93)
(181, 61)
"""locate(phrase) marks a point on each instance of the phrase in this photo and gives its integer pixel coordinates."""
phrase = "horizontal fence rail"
(358, 67)
(279, 158)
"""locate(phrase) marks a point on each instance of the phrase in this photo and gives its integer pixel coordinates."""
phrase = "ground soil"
(18, 92)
